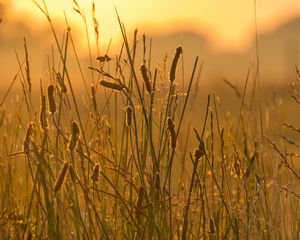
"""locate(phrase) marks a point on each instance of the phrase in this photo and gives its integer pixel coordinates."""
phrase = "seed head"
(128, 116)
(110, 85)
(146, 79)
(95, 175)
(174, 64)
(61, 177)
(51, 100)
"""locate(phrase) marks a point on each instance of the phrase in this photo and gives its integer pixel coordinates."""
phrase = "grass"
(127, 162)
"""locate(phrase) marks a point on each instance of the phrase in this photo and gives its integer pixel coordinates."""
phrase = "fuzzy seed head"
(128, 116)
(51, 100)
(75, 132)
(43, 114)
(110, 85)
(61, 177)
(174, 64)
(95, 175)
(146, 79)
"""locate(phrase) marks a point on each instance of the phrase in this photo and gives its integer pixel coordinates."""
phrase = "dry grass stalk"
(93, 97)
(174, 63)
(51, 100)
(75, 132)
(157, 181)
(146, 79)
(61, 177)
(61, 83)
(110, 85)
(140, 199)
(212, 228)
(173, 138)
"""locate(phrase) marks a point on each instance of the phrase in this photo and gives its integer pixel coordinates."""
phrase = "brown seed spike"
(51, 100)
(43, 114)
(146, 78)
(128, 116)
(75, 132)
(110, 85)
(61, 177)
(174, 63)
(95, 175)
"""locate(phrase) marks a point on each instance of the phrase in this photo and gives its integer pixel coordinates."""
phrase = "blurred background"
(222, 33)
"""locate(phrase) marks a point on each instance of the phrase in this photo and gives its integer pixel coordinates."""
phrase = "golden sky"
(228, 24)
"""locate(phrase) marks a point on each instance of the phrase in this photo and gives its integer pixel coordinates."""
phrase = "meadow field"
(130, 149)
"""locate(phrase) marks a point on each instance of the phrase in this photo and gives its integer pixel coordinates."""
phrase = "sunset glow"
(227, 24)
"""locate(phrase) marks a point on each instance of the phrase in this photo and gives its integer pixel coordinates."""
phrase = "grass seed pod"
(95, 175)
(110, 85)
(174, 63)
(128, 116)
(43, 114)
(26, 143)
(75, 132)
(61, 177)
(51, 100)
(146, 78)
(200, 151)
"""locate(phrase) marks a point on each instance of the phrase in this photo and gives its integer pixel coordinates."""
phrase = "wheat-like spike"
(146, 79)
(51, 99)
(27, 68)
(110, 85)
(61, 177)
(174, 63)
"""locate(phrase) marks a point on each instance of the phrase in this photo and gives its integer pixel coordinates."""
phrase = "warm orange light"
(228, 24)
